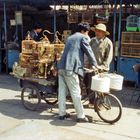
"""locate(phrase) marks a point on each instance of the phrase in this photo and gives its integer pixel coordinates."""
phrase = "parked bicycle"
(106, 105)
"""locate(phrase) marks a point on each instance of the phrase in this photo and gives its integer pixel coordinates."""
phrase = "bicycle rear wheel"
(30, 97)
(108, 107)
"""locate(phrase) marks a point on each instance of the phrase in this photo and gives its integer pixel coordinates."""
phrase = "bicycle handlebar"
(94, 69)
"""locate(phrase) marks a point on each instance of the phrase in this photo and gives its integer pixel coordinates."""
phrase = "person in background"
(70, 68)
(34, 34)
(103, 49)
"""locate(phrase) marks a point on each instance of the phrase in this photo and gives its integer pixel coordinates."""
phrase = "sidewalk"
(17, 123)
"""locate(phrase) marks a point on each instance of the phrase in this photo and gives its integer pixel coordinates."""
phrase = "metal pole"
(0, 50)
(54, 22)
(114, 25)
(16, 39)
(68, 15)
(114, 35)
(5, 23)
(0, 36)
(5, 33)
(22, 32)
(119, 33)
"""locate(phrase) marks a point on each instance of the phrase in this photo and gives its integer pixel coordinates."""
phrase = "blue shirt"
(73, 56)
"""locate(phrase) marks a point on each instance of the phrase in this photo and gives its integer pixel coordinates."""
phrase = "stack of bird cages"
(35, 56)
(27, 59)
(38, 57)
(130, 44)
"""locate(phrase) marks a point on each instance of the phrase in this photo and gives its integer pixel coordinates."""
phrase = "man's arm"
(88, 51)
(108, 56)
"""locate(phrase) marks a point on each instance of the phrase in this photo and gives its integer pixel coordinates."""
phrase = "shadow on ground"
(13, 108)
(9, 82)
(125, 96)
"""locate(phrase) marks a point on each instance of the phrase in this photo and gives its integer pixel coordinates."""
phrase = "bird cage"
(42, 70)
(45, 52)
(101, 19)
(58, 50)
(72, 17)
(87, 16)
(28, 46)
(26, 60)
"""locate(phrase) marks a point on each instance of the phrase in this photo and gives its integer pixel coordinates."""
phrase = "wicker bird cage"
(58, 50)
(42, 70)
(27, 60)
(45, 50)
(73, 17)
(28, 46)
(87, 16)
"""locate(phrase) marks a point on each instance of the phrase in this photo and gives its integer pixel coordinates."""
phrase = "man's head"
(83, 27)
(37, 28)
(100, 30)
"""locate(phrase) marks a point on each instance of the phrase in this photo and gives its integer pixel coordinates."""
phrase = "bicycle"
(107, 106)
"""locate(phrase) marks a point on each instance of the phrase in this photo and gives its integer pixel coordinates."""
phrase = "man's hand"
(98, 69)
(94, 67)
(101, 68)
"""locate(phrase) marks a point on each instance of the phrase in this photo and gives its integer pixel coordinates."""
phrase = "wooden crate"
(130, 37)
(130, 50)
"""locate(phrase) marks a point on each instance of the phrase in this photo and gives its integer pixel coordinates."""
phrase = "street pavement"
(17, 123)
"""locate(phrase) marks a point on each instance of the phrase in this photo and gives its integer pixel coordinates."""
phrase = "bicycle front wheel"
(108, 108)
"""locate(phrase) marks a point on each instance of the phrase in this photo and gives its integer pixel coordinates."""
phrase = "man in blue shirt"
(34, 34)
(70, 67)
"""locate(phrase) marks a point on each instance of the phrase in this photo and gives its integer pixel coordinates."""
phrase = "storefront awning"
(67, 2)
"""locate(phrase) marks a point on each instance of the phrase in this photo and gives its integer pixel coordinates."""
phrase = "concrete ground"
(17, 123)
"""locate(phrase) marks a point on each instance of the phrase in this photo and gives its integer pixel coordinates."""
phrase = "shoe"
(67, 115)
(82, 120)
